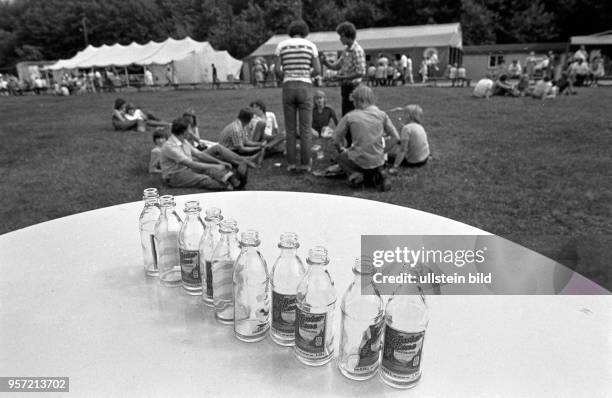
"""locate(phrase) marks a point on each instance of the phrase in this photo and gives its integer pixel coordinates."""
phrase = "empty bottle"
(166, 242)
(287, 272)
(148, 218)
(207, 246)
(190, 236)
(315, 303)
(251, 291)
(361, 326)
(225, 254)
(406, 318)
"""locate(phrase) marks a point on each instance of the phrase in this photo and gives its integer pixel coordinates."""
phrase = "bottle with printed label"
(207, 246)
(148, 218)
(224, 256)
(251, 291)
(166, 243)
(189, 248)
(287, 272)
(315, 304)
(361, 326)
(406, 318)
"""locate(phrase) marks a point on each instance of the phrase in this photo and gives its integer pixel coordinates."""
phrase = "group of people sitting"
(359, 146)
(544, 88)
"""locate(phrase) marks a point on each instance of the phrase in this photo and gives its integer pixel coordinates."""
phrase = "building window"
(495, 60)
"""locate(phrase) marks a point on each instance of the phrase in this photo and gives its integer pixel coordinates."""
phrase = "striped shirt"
(296, 55)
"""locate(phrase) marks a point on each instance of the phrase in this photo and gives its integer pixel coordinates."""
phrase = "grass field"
(536, 172)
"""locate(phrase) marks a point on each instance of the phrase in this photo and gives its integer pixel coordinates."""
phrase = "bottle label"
(310, 334)
(283, 314)
(153, 250)
(402, 353)
(190, 266)
(209, 280)
(369, 348)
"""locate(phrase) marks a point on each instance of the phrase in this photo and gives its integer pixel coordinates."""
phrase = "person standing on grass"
(299, 63)
(180, 169)
(351, 65)
(366, 154)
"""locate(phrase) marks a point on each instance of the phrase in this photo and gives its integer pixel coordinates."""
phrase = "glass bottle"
(406, 318)
(148, 218)
(166, 242)
(361, 326)
(225, 254)
(287, 272)
(207, 246)
(189, 248)
(315, 303)
(251, 291)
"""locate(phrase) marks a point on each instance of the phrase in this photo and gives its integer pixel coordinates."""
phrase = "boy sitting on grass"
(159, 138)
(413, 150)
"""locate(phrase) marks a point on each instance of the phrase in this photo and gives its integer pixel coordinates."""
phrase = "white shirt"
(271, 123)
(148, 78)
(404, 61)
(482, 87)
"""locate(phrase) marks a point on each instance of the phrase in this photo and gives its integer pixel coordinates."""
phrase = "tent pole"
(127, 77)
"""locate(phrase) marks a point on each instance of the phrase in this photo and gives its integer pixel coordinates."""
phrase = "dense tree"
(51, 29)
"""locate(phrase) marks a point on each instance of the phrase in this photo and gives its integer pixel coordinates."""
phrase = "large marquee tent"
(191, 61)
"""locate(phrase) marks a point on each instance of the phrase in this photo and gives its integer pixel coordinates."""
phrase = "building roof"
(514, 48)
(601, 38)
(397, 37)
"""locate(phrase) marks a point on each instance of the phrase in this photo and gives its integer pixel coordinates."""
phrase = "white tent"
(597, 39)
(190, 60)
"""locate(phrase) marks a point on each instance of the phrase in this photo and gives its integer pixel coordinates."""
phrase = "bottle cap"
(150, 193)
(317, 256)
(166, 200)
(288, 240)
(249, 238)
(192, 206)
(213, 213)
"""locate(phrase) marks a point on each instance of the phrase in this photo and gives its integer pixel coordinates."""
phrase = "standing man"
(299, 63)
(215, 78)
(403, 64)
(351, 66)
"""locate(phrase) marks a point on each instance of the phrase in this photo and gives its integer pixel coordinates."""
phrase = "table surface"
(75, 302)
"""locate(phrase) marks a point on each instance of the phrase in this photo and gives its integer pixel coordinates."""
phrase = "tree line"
(54, 29)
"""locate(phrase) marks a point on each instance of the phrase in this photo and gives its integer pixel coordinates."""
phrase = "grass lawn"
(536, 172)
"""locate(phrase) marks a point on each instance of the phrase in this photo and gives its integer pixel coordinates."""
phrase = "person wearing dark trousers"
(351, 66)
(299, 63)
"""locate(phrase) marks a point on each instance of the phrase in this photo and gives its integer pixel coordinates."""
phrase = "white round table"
(75, 302)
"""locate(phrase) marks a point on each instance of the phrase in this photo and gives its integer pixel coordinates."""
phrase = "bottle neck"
(191, 216)
(288, 251)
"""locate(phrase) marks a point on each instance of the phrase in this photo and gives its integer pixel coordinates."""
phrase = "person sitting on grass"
(366, 155)
(565, 84)
(483, 88)
(159, 138)
(523, 84)
(235, 137)
(220, 152)
(181, 170)
(264, 128)
(324, 119)
(413, 150)
(543, 89)
(502, 87)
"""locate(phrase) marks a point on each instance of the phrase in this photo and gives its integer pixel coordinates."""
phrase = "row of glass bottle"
(234, 279)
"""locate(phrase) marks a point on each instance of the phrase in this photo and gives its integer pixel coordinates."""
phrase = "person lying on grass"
(135, 119)
(183, 166)
(368, 125)
(234, 136)
(413, 150)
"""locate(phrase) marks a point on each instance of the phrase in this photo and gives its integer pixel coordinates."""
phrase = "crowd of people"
(363, 145)
(543, 78)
